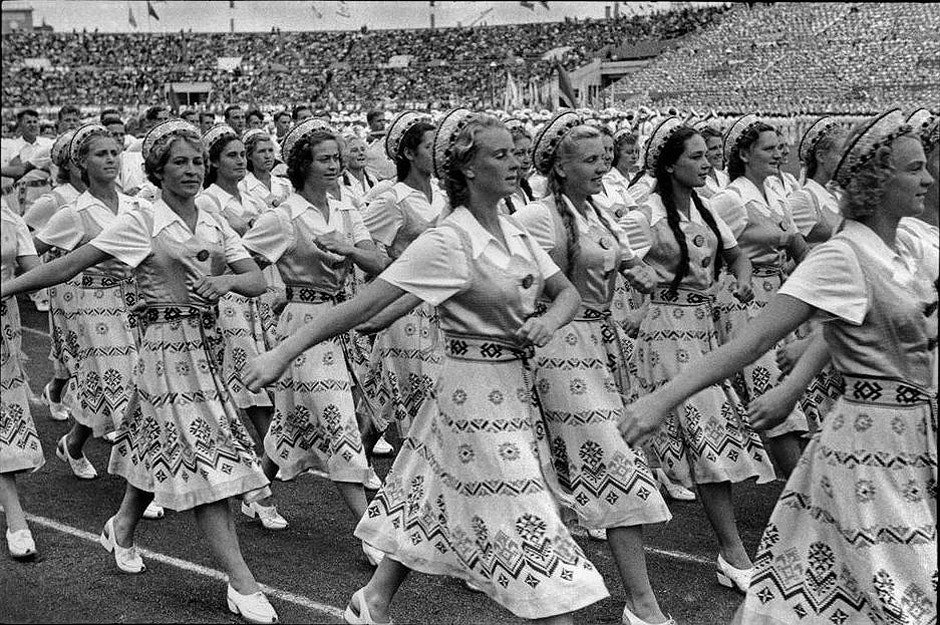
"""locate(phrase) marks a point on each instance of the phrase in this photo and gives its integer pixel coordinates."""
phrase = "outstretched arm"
(538, 331)
(741, 268)
(58, 271)
(401, 307)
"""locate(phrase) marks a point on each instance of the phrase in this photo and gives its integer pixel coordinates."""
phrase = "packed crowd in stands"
(800, 58)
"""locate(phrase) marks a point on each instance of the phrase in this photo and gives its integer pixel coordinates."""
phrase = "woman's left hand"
(211, 288)
(535, 331)
(641, 277)
(743, 292)
(642, 419)
(334, 243)
(263, 370)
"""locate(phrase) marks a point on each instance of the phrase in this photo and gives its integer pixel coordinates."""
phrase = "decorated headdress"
(623, 132)
(880, 131)
(737, 131)
(301, 130)
(402, 123)
(216, 133)
(515, 126)
(449, 127)
(60, 148)
(79, 137)
(820, 128)
(926, 127)
(163, 130)
(548, 138)
(654, 145)
(254, 134)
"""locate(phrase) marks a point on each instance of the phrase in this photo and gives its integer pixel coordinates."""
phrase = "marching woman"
(522, 143)
(785, 183)
(314, 240)
(68, 187)
(184, 447)
(20, 449)
(617, 178)
(760, 219)
(581, 372)
(407, 355)
(259, 181)
(853, 536)
(706, 441)
(96, 305)
(470, 493)
(240, 318)
(356, 179)
(717, 178)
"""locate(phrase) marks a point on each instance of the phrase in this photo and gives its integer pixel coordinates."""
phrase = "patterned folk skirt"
(62, 361)
(705, 439)
(471, 492)
(243, 336)
(763, 374)
(183, 440)
(20, 449)
(605, 481)
(853, 538)
(105, 350)
(314, 423)
(406, 361)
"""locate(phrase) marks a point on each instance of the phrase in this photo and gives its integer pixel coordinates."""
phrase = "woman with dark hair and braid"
(705, 442)
(717, 177)
(760, 218)
(582, 370)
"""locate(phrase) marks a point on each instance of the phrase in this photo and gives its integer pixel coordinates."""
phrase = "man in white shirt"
(378, 164)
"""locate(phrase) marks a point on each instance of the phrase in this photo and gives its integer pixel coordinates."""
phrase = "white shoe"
(154, 511)
(21, 545)
(126, 558)
(673, 490)
(373, 555)
(374, 482)
(254, 608)
(268, 515)
(40, 300)
(597, 534)
(110, 437)
(731, 577)
(57, 410)
(82, 469)
(629, 618)
(471, 586)
(383, 448)
(365, 616)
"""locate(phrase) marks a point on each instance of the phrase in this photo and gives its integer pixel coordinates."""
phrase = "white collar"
(164, 216)
(658, 210)
(86, 200)
(866, 238)
(298, 205)
(479, 237)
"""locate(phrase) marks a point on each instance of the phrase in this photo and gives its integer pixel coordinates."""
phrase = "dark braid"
(664, 182)
(509, 205)
(710, 221)
(636, 177)
(526, 189)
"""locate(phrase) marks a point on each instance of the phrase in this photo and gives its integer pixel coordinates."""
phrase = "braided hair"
(736, 166)
(410, 141)
(672, 150)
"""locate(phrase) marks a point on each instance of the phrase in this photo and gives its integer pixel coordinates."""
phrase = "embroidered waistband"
(311, 295)
(102, 281)
(484, 348)
(681, 296)
(585, 312)
(766, 271)
(885, 391)
(167, 313)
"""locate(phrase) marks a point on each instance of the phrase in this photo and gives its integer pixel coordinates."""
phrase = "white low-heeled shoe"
(154, 511)
(254, 608)
(268, 515)
(364, 617)
(21, 544)
(126, 558)
(57, 410)
(383, 448)
(373, 555)
(596, 534)
(731, 577)
(375, 482)
(81, 467)
(673, 490)
(629, 618)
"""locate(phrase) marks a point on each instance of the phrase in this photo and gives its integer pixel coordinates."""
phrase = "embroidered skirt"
(853, 538)
(20, 449)
(183, 440)
(243, 335)
(707, 438)
(314, 423)
(469, 493)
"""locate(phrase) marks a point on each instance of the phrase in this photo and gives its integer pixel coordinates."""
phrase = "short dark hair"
(254, 113)
(153, 112)
(298, 109)
(108, 114)
(371, 115)
(68, 108)
(205, 114)
(229, 109)
(281, 114)
(25, 112)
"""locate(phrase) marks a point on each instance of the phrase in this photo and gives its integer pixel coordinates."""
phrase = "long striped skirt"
(20, 449)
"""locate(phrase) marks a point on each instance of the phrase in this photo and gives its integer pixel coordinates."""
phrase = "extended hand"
(641, 277)
(743, 292)
(641, 420)
(211, 288)
(335, 243)
(771, 408)
(263, 370)
(535, 331)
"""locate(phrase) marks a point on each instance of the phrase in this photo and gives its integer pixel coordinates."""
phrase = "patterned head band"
(880, 131)
(82, 133)
(254, 134)
(515, 127)
(218, 133)
(445, 137)
(661, 134)
(820, 128)
(161, 131)
(548, 138)
(60, 148)
(301, 130)
(622, 133)
(925, 126)
(402, 123)
(736, 132)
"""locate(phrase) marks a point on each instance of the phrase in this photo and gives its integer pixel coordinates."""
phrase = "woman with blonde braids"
(581, 373)
(470, 493)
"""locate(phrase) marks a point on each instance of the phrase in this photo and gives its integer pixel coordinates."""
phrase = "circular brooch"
(604, 243)
(698, 241)
(202, 256)
(527, 281)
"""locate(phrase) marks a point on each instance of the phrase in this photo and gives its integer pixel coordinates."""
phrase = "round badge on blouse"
(705, 262)
(783, 226)
(698, 241)
(619, 213)
(202, 256)
(527, 281)
(604, 243)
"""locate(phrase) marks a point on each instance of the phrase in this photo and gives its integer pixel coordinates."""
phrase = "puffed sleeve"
(831, 279)
(232, 243)
(271, 236)
(728, 240)
(359, 231)
(730, 207)
(128, 238)
(24, 242)
(64, 229)
(537, 220)
(41, 211)
(546, 265)
(636, 225)
(803, 209)
(383, 218)
(626, 249)
(434, 267)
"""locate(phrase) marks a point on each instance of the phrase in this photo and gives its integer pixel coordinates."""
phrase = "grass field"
(314, 565)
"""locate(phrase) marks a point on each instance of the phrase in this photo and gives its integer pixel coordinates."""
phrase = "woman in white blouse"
(259, 181)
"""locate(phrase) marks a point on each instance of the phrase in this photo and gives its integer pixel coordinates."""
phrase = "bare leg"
(380, 590)
(626, 544)
(215, 522)
(10, 500)
(355, 496)
(129, 514)
(260, 417)
(77, 437)
(786, 451)
(719, 507)
(56, 388)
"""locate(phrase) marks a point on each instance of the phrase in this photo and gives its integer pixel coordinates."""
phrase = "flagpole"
(149, 27)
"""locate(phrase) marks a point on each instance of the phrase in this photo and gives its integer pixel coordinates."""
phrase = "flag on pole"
(512, 97)
(130, 18)
(565, 90)
(174, 100)
(152, 12)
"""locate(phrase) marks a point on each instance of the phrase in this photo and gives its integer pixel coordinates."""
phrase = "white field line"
(192, 567)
